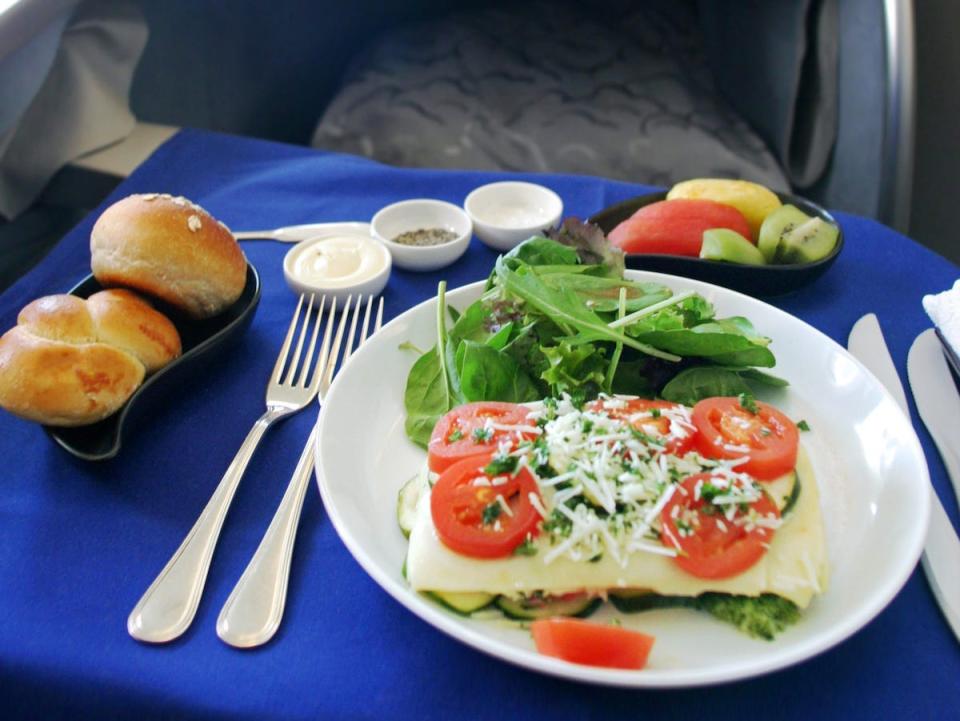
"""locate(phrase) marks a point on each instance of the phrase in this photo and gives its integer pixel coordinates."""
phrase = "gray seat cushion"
(546, 87)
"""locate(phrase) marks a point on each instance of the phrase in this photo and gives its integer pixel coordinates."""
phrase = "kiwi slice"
(788, 235)
(809, 241)
(777, 225)
(728, 245)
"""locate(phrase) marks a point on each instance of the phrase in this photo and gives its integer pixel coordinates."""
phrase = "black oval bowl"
(200, 339)
(764, 280)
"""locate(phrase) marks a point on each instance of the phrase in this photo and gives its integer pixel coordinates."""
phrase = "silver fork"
(251, 615)
(168, 606)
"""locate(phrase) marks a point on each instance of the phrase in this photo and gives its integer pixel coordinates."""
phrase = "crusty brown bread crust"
(169, 248)
(71, 362)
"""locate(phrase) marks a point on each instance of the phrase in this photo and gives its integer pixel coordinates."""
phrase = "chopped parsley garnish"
(597, 558)
(587, 425)
(748, 403)
(577, 398)
(500, 465)
(482, 434)
(655, 413)
(558, 524)
(455, 436)
(803, 426)
(644, 437)
(527, 548)
(708, 492)
(491, 513)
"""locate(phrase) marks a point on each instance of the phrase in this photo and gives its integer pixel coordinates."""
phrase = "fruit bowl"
(756, 280)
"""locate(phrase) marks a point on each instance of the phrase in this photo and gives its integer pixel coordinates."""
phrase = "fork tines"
(289, 363)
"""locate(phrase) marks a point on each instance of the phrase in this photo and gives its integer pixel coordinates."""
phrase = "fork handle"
(167, 608)
(253, 612)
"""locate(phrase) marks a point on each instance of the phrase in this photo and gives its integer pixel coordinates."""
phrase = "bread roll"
(171, 249)
(70, 362)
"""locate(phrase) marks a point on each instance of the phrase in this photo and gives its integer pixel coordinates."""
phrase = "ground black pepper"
(425, 236)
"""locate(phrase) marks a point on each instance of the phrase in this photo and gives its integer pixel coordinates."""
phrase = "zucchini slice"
(463, 603)
(784, 491)
(533, 607)
(637, 600)
(407, 504)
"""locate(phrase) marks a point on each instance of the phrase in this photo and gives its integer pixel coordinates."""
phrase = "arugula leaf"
(603, 294)
(564, 308)
(572, 367)
(618, 347)
(472, 323)
(500, 339)
(710, 340)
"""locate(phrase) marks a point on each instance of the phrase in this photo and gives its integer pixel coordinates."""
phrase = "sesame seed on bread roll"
(70, 361)
(169, 248)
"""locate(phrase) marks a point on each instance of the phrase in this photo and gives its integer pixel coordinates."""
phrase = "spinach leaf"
(541, 251)
(487, 374)
(431, 388)
(425, 398)
(695, 384)
(632, 379)
(758, 376)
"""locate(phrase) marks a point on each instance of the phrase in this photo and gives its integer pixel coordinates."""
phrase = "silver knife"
(941, 553)
(937, 399)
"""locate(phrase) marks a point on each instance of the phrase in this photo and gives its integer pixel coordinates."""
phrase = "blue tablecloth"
(81, 541)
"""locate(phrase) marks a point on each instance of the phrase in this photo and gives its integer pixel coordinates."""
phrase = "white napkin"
(944, 310)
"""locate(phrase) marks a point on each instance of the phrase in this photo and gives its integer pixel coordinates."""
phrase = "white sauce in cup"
(349, 262)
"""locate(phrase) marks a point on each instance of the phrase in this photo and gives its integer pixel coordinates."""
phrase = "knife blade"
(866, 343)
(937, 399)
(941, 553)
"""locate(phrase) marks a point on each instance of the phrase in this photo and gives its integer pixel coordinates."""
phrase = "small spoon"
(296, 233)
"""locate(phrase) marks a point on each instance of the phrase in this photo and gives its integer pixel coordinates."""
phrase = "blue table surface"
(81, 541)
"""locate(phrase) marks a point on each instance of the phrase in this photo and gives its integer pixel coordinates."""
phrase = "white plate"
(869, 464)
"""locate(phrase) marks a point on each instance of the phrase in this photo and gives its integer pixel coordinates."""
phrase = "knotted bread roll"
(169, 248)
(70, 361)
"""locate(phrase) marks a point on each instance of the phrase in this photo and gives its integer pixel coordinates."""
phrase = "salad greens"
(557, 316)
